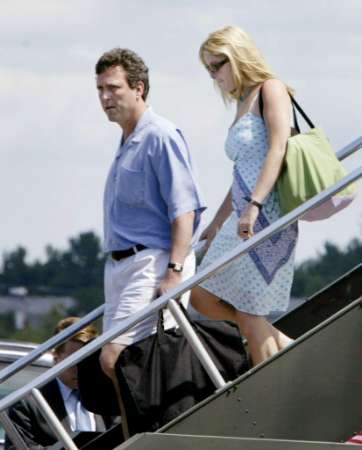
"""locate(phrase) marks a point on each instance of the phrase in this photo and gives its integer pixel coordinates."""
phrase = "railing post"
(53, 420)
(52, 342)
(193, 339)
(12, 433)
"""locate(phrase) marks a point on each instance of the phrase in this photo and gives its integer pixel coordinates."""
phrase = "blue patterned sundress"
(259, 282)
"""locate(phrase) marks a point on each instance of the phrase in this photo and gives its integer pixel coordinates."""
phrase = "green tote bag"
(310, 167)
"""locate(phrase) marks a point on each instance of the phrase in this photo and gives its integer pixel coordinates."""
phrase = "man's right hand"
(171, 280)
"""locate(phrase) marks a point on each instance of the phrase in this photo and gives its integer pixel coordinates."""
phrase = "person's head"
(122, 83)
(70, 376)
(234, 62)
(133, 65)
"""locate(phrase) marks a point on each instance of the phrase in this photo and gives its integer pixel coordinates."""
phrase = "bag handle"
(160, 322)
(295, 106)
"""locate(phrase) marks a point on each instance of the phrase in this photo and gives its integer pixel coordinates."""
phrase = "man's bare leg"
(108, 358)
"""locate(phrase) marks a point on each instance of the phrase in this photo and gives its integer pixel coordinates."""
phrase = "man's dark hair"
(132, 64)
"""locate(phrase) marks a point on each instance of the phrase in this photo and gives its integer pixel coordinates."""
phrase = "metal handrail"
(53, 421)
(196, 344)
(98, 312)
(51, 343)
(12, 432)
(349, 149)
(183, 287)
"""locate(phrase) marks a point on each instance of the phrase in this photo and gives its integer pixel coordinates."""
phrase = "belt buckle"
(135, 249)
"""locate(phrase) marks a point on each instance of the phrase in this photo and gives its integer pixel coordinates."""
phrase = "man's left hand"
(171, 280)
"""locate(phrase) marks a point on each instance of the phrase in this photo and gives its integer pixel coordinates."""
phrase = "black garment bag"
(161, 377)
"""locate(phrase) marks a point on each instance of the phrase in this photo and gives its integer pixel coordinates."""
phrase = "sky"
(56, 144)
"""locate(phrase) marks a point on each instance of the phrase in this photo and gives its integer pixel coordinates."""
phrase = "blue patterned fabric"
(260, 281)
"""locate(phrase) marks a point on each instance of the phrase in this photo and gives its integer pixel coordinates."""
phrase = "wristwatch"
(253, 202)
(175, 266)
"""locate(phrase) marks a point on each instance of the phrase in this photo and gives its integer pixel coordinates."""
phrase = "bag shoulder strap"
(295, 106)
(160, 322)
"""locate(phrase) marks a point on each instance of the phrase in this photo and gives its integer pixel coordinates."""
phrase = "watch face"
(176, 267)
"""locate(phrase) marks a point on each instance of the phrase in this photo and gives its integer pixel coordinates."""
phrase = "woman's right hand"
(209, 233)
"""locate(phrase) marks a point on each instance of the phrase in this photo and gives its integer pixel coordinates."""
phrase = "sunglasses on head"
(213, 68)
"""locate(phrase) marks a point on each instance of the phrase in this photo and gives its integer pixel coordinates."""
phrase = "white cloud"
(33, 9)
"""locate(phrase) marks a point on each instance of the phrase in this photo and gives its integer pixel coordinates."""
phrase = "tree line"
(77, 271)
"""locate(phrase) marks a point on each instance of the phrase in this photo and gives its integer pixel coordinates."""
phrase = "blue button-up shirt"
(151, 182)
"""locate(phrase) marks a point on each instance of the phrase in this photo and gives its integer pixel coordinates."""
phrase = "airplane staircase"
(308, 396)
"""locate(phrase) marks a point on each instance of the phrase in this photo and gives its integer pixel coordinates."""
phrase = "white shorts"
(131, 284)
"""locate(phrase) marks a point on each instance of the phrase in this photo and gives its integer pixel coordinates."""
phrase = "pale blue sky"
(56, 144)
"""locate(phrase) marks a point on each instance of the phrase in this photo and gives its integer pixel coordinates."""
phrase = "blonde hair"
(248, 66)
(83, 336)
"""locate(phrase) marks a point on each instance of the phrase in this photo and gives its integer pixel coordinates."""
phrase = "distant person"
(259, 282)
(62, 396)
(152, 203)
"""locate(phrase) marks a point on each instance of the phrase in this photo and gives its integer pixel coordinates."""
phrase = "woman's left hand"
(247, 221)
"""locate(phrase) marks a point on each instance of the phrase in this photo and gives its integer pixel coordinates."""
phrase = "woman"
(260, 281)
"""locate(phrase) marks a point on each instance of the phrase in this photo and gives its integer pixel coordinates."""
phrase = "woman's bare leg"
(264, 340)
(281, 339)
(261, 341)
(210, 305)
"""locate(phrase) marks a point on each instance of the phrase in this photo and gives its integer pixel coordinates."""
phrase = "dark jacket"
(34, 428)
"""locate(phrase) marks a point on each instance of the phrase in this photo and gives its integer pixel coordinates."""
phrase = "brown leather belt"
(120, 254)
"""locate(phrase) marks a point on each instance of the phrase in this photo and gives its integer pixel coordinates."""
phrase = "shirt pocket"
(130, 186)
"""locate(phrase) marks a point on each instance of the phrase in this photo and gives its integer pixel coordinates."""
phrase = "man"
(61, 394)
(152, 204)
